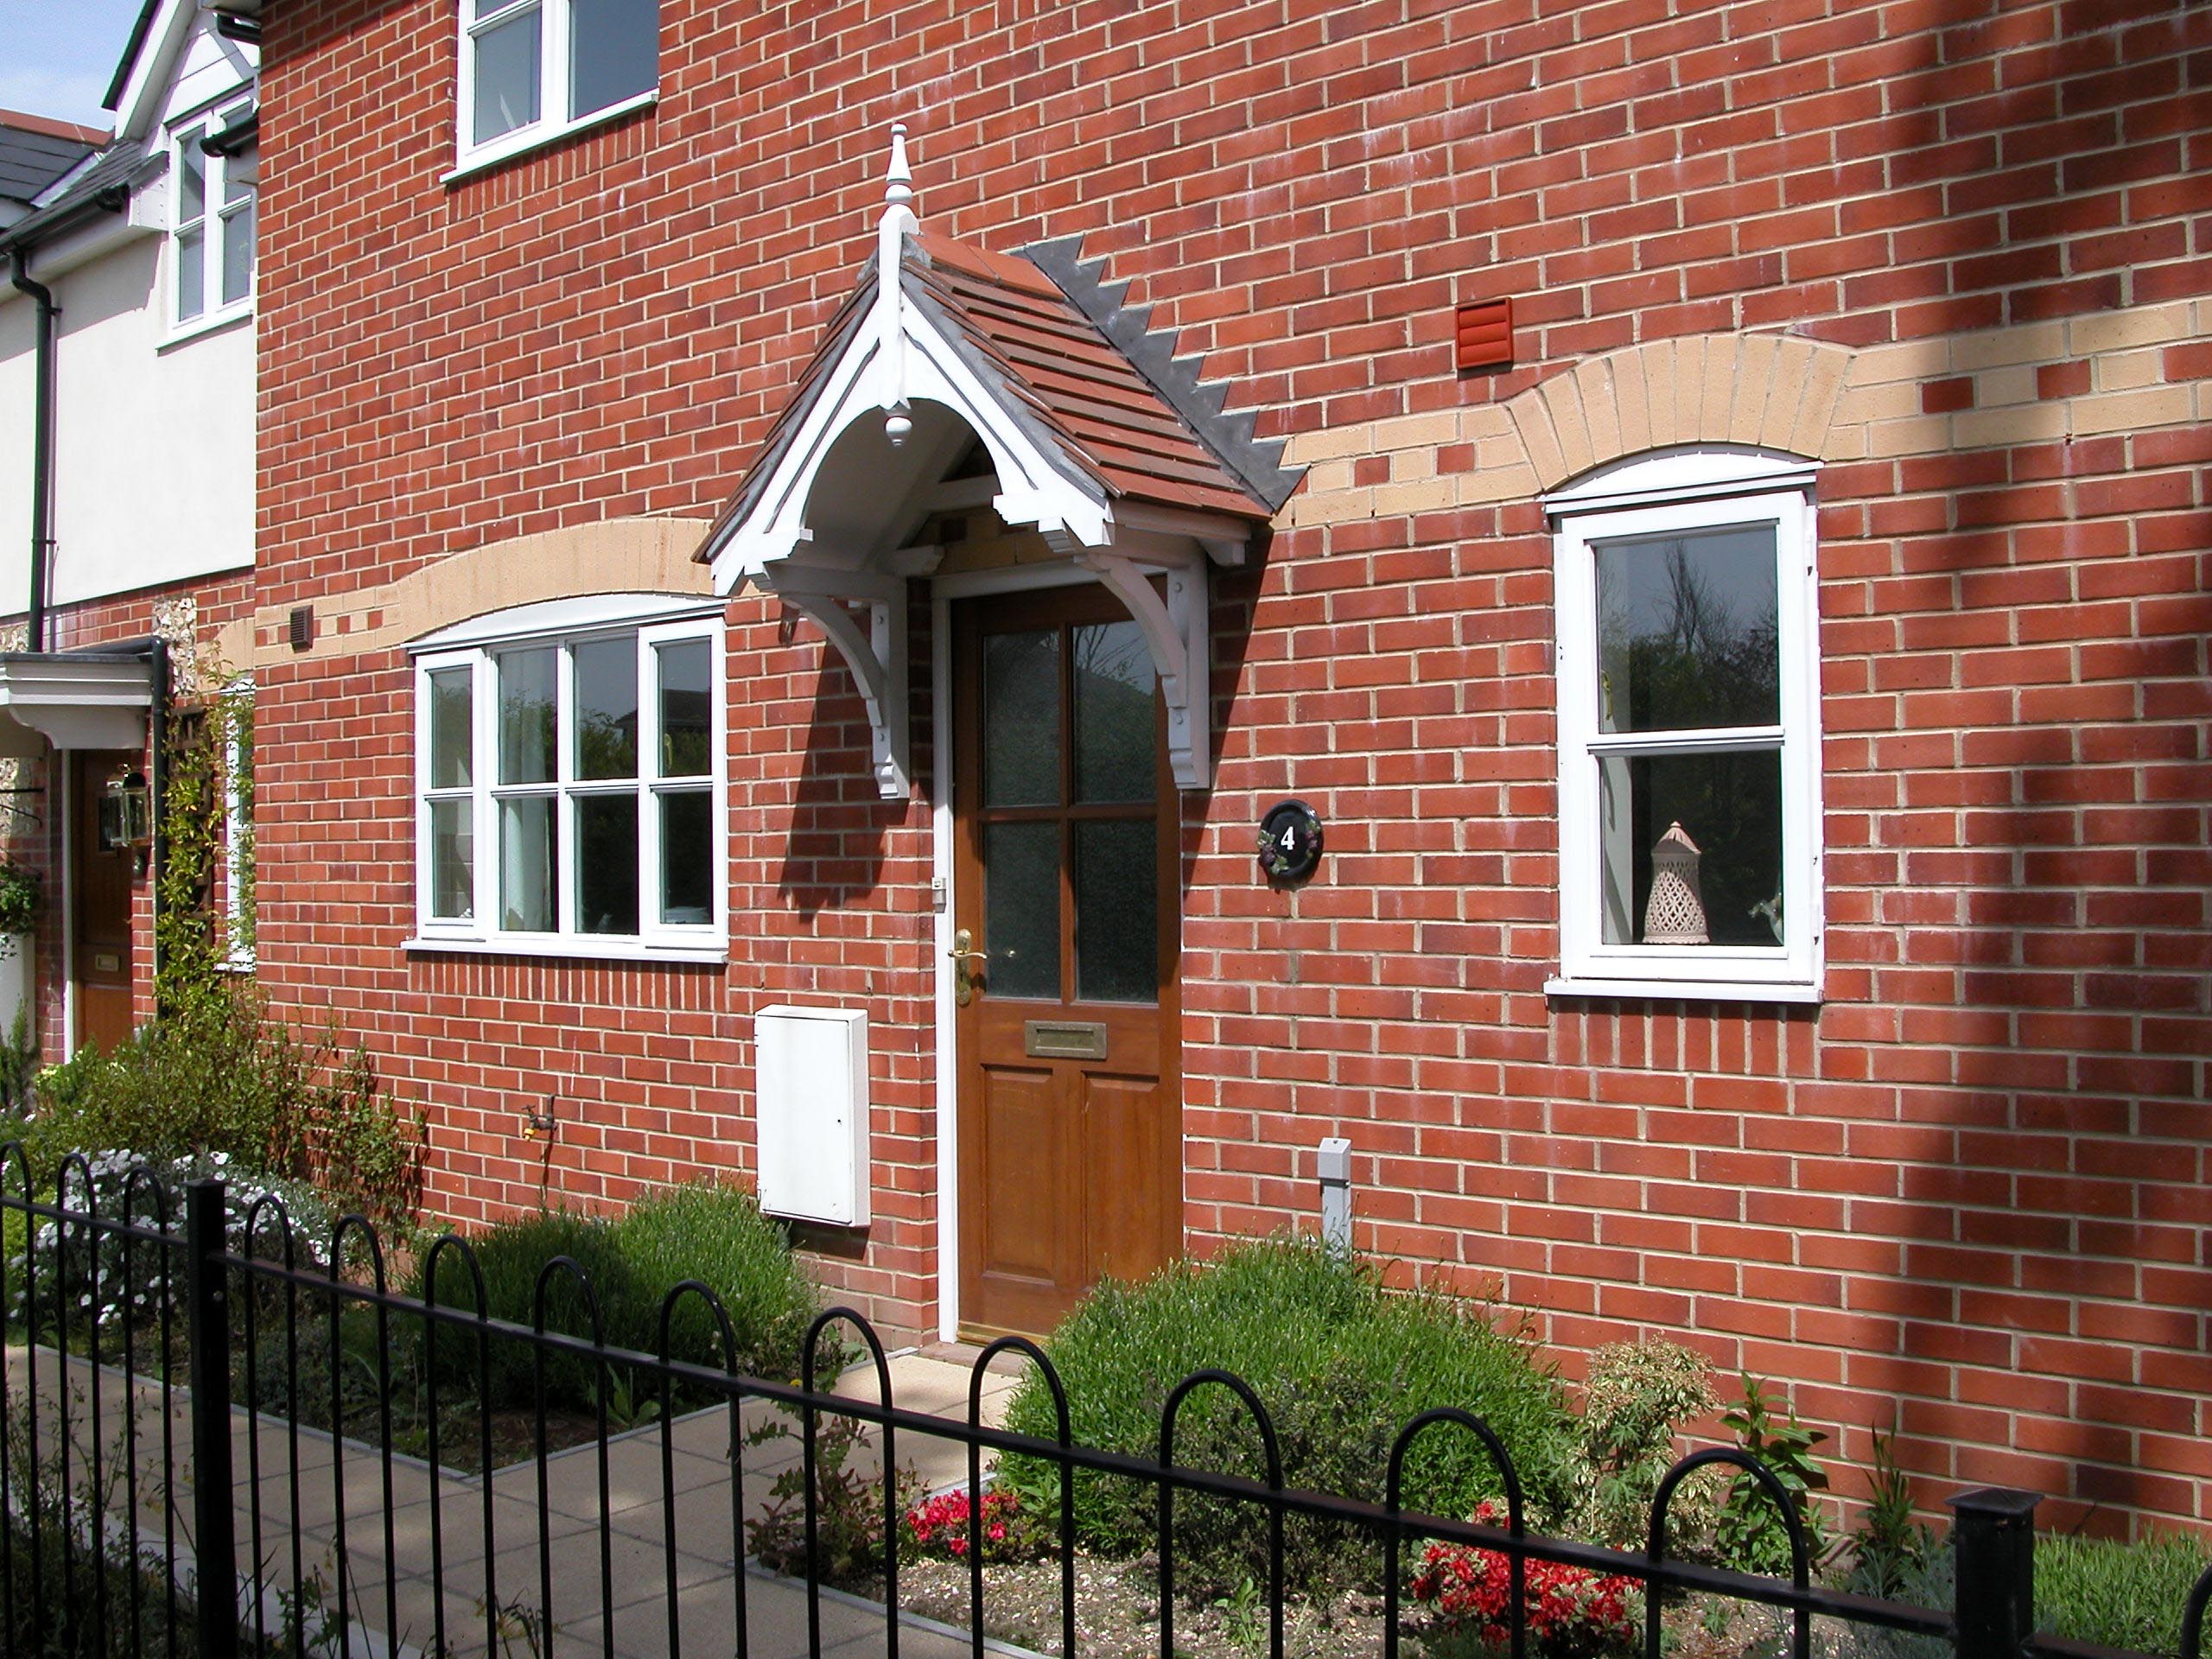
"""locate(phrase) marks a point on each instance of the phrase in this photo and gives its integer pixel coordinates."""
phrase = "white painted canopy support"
(1178, 632)
(876, 655)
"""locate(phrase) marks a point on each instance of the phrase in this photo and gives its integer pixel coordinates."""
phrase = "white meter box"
(812, 1125)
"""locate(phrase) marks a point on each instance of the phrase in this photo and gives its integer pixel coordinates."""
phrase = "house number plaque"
(1290, 841)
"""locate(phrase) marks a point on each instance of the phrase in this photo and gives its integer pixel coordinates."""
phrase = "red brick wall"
(1962, 1199)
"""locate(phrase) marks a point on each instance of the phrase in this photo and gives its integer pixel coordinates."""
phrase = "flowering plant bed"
(1571, 1612)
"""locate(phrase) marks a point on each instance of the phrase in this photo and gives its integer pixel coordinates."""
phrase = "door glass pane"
(453, 859)
(506, 76)
(191, 274)
(686, 710)
(1113, 714)
(606, 709)
(607, 864)
(1116, 912)
(1022, 718)
(1686, 632)
(238, 253)
(1730, 807)
(616, 48)
(687, 845)
(527, 715)
(452, 729)
(1021, 909)
(529, 857)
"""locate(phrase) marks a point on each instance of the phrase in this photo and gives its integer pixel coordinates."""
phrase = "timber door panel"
(100, 907)
(1066, 824)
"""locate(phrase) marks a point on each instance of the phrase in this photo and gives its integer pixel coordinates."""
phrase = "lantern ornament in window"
(126, 813)
(1674, 914)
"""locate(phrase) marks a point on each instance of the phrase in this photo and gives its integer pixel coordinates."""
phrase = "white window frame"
(564, 626)
(552, 123)
(1672, 493)
(216, 172)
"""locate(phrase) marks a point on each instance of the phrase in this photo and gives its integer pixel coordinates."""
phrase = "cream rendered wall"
(153, 436)
(153, 442)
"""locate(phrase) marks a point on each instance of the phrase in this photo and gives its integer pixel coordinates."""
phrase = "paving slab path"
(632, 1545)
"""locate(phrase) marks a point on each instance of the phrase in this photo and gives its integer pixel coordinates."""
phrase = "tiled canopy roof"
(1136, 421)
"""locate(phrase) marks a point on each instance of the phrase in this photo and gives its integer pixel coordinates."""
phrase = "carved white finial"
(892, 231)
(898, 184)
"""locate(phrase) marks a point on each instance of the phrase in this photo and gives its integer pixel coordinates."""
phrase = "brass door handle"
(963, 951)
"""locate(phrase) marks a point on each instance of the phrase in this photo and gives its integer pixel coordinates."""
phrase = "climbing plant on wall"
(206, 849)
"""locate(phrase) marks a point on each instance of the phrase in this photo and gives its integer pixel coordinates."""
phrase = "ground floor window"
(1688, 728)
(568, 781)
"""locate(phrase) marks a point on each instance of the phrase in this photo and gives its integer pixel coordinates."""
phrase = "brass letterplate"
(106, 962)
(1063, 1039)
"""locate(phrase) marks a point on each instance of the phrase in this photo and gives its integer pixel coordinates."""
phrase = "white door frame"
(974, 584)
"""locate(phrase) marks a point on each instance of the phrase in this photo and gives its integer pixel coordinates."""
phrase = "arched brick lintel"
(1768, 390)
(650, 556)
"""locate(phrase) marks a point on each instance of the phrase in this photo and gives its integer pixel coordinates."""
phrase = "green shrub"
(219, 1075)
(1638, 1397)
(1752, 1532)
(513, 1255)
(716, 1234)
(1890, 1550)
(1340, 1363)
(2116, 1595)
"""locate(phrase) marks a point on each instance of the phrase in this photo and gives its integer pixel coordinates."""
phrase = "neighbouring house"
(785, 657)
(126, 488)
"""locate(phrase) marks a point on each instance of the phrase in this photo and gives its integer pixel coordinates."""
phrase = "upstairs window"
(212, 175)
(568, 780)
(1689, 794)
(531, 70)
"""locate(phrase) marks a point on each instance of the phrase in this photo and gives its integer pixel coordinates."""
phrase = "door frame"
(945, 592)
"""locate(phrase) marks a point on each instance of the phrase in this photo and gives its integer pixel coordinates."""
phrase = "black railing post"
(207, 1321)
(1995, 1538)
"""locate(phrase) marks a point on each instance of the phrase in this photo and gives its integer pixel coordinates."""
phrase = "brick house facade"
(1943, 265)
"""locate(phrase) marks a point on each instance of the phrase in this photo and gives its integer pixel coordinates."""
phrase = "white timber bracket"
(876, 654)
(1178, 632)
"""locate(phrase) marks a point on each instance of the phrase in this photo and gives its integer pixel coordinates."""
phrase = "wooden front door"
(1067, 876)
(99, 901)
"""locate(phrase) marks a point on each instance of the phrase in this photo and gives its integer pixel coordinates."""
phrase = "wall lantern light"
(126, 814)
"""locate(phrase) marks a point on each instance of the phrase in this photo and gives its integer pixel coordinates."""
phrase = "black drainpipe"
(41, 446)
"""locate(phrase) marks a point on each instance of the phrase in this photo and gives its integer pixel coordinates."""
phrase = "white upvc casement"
(1714, 516)
(535, 71)
(501, 863)
(211, 238)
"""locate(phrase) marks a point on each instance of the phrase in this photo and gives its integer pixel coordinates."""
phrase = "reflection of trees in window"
(1688, 632)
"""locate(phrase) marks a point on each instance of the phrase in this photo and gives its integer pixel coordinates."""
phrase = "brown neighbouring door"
(1066, 873)
(99, 906)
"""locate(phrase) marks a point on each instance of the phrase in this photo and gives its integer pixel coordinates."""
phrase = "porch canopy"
(954, 379)
(73, 700)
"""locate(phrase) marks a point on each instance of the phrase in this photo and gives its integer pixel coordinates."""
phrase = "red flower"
(1570, 1610)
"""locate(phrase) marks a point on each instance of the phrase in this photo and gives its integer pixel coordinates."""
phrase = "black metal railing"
(204, 1293)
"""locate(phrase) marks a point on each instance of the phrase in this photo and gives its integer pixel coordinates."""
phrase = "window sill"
(523, 140)
(575, 948)
(214, 323)
(1687, 990)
